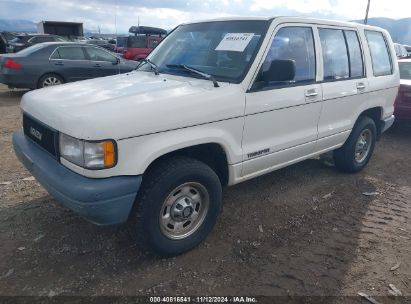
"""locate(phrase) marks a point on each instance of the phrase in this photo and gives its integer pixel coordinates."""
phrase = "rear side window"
(380, 56)
(96, 54)
(335, 56)
(355, 54)
(69, 53)
(137, 42)
(294, 43)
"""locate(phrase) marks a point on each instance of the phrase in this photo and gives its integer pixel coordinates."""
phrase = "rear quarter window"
(69, 53)
(380, 55)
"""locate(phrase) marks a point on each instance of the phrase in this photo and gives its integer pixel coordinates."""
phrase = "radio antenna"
(366, 12)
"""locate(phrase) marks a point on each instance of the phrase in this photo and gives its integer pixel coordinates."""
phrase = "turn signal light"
(109, 154)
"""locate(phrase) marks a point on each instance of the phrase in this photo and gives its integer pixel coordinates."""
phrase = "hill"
(14, 25)
(400, 30)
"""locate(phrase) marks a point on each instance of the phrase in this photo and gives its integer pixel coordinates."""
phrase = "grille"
(42, 135)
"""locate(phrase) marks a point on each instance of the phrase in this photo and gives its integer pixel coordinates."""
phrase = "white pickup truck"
(216, 103)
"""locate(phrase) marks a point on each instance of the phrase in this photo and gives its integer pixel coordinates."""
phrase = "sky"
(116, 16)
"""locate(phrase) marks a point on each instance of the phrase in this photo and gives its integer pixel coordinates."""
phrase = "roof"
(294, 19)
(62, 22)
(63, 43)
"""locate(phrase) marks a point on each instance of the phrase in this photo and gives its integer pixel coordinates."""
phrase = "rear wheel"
(177, 206)
(49, 80)
(354, 155)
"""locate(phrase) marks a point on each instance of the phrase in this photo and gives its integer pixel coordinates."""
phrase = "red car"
(403, 101)
(137, 47)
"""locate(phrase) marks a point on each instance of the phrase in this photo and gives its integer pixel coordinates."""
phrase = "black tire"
(42, 83)
(346, 159)
(157, 188)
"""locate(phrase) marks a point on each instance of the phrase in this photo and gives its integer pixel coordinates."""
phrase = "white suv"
(215, 104)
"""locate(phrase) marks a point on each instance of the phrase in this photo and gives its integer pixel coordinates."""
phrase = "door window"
(297, 44)
(380, 56)
(335, 56)
(355, 54)
(97, 54)
(69, 53)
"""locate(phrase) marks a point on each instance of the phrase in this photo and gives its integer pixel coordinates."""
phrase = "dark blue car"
(54, 63)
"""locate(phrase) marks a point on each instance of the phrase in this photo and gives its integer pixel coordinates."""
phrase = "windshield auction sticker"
(236, 42)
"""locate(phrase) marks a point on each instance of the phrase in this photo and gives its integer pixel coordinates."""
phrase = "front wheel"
(177, 206)
(355, 154)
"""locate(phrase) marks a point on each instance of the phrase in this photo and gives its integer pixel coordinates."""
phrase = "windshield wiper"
(188, 68)
(152, 64)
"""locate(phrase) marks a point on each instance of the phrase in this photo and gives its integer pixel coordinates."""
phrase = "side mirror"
(117, 61)
(280, 70)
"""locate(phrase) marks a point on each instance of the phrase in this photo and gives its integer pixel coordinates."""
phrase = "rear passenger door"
(281, 117)
(71, 63)
(102, 62)
(344, 84)
(383, 85)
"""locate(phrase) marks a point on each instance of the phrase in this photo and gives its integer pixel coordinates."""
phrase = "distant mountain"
(13, 25)
(400, 30)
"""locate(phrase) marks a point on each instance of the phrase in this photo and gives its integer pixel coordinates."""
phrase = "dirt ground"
(303, 230)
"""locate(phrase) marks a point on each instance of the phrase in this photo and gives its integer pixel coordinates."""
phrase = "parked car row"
(54, 63)
(12, 43)
(401, 51)
(138, 46)
(21, 42)
(403, 100)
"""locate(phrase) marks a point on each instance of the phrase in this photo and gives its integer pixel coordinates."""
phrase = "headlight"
(88, 154)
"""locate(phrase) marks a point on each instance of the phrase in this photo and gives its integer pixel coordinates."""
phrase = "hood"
(132, 104)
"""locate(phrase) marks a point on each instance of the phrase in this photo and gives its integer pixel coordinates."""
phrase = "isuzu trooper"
(215, 104)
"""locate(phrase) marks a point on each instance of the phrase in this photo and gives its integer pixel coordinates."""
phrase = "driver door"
(281, 117)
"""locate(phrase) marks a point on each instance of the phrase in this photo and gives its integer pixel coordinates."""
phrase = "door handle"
(59, 63)
(311, 93)
(97, 65)
(360, 86)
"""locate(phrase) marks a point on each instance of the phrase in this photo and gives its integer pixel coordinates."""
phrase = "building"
(61, 28)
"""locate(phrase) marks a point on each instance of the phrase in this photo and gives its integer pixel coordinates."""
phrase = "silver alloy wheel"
(51, 81)
(363, 145)
(184, 210)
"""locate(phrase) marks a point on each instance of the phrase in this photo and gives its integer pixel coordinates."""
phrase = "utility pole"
(366, 13)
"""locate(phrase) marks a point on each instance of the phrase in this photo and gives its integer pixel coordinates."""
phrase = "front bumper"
(105, 201)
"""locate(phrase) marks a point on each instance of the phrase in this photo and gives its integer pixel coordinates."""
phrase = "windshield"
(405, 70)
(223, 49)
